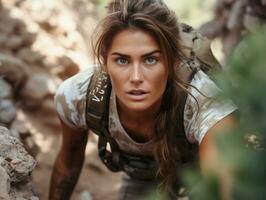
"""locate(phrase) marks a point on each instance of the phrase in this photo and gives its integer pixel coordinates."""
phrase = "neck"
(146, 116)
(139, 125)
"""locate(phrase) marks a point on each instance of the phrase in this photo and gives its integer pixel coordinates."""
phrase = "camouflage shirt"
(70, 102)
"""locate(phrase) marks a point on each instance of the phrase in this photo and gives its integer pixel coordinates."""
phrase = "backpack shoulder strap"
(97, 112)
(197, 48)
(97, 102)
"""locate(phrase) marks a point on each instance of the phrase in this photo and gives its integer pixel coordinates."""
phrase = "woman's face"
(137, 70)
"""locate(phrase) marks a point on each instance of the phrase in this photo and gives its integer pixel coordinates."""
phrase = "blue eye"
(122, 61)
(151, 60)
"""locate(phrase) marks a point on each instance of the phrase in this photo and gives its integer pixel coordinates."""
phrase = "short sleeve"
(199, 118)
(70, 99)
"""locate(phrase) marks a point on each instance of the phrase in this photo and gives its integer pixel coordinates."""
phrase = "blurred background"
(43, 42)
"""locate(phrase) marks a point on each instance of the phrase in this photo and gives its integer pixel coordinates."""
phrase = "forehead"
(132, 41)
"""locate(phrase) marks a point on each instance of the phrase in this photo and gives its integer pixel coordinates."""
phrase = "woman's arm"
(210, 160)
(68, 163)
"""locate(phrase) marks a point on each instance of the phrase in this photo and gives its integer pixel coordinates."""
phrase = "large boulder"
(16, 167)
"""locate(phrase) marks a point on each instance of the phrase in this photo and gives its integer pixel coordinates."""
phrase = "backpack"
(198, 56)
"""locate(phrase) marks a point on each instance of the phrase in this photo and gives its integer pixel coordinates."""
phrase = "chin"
(145, 105)
(139, 106)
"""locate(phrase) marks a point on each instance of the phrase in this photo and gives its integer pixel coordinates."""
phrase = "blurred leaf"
(243, 81)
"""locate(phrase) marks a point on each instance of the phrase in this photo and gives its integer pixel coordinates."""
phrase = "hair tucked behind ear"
(154, 17)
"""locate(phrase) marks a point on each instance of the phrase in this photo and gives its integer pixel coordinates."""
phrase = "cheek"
(116, 79)
(160, 82)
(161, 87)
(117, 82)
(161, 77)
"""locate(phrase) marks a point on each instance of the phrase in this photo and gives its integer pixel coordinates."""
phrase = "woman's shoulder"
(203, 107)
(202, 83)
(70, 99)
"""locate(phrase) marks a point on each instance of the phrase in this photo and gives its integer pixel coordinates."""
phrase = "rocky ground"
(41, 44)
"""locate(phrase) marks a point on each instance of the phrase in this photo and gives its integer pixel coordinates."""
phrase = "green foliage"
(247, 72)
(207, 190)
(247, 69)
(244, 81)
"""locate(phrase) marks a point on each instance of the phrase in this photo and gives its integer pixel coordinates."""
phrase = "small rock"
(14, 42)
(13, 69)
(7, 108)
(68, 67)
(37, 88)
(28, 38)
(3, 39)
(7, 111)
(85, 195)
(5, 89)
(7, 25)
(30, 56)
(20, 130)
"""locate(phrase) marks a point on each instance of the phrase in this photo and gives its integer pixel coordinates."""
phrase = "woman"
(140, 49)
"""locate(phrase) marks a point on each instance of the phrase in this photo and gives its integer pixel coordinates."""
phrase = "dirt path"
(95, 178)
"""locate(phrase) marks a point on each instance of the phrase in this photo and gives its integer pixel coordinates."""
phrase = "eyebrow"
(145, 55)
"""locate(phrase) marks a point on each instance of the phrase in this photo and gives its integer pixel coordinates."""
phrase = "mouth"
(137, 94)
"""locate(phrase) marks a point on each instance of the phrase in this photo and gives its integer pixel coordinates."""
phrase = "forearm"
(64, 178)
(211, 160)
(68, 163)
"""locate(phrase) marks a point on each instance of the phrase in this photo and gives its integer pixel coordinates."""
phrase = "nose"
(136, 74)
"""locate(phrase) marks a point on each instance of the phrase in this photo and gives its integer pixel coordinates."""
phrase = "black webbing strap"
(97, 112)
(111, 158)
(98, 96)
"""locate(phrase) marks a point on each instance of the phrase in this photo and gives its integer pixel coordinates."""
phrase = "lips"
(137, 92)
(137, 95)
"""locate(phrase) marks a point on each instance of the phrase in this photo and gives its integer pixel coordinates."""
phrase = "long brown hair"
(157, 19)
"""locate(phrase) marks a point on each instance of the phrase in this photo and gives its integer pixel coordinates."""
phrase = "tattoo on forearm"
(64, 185)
